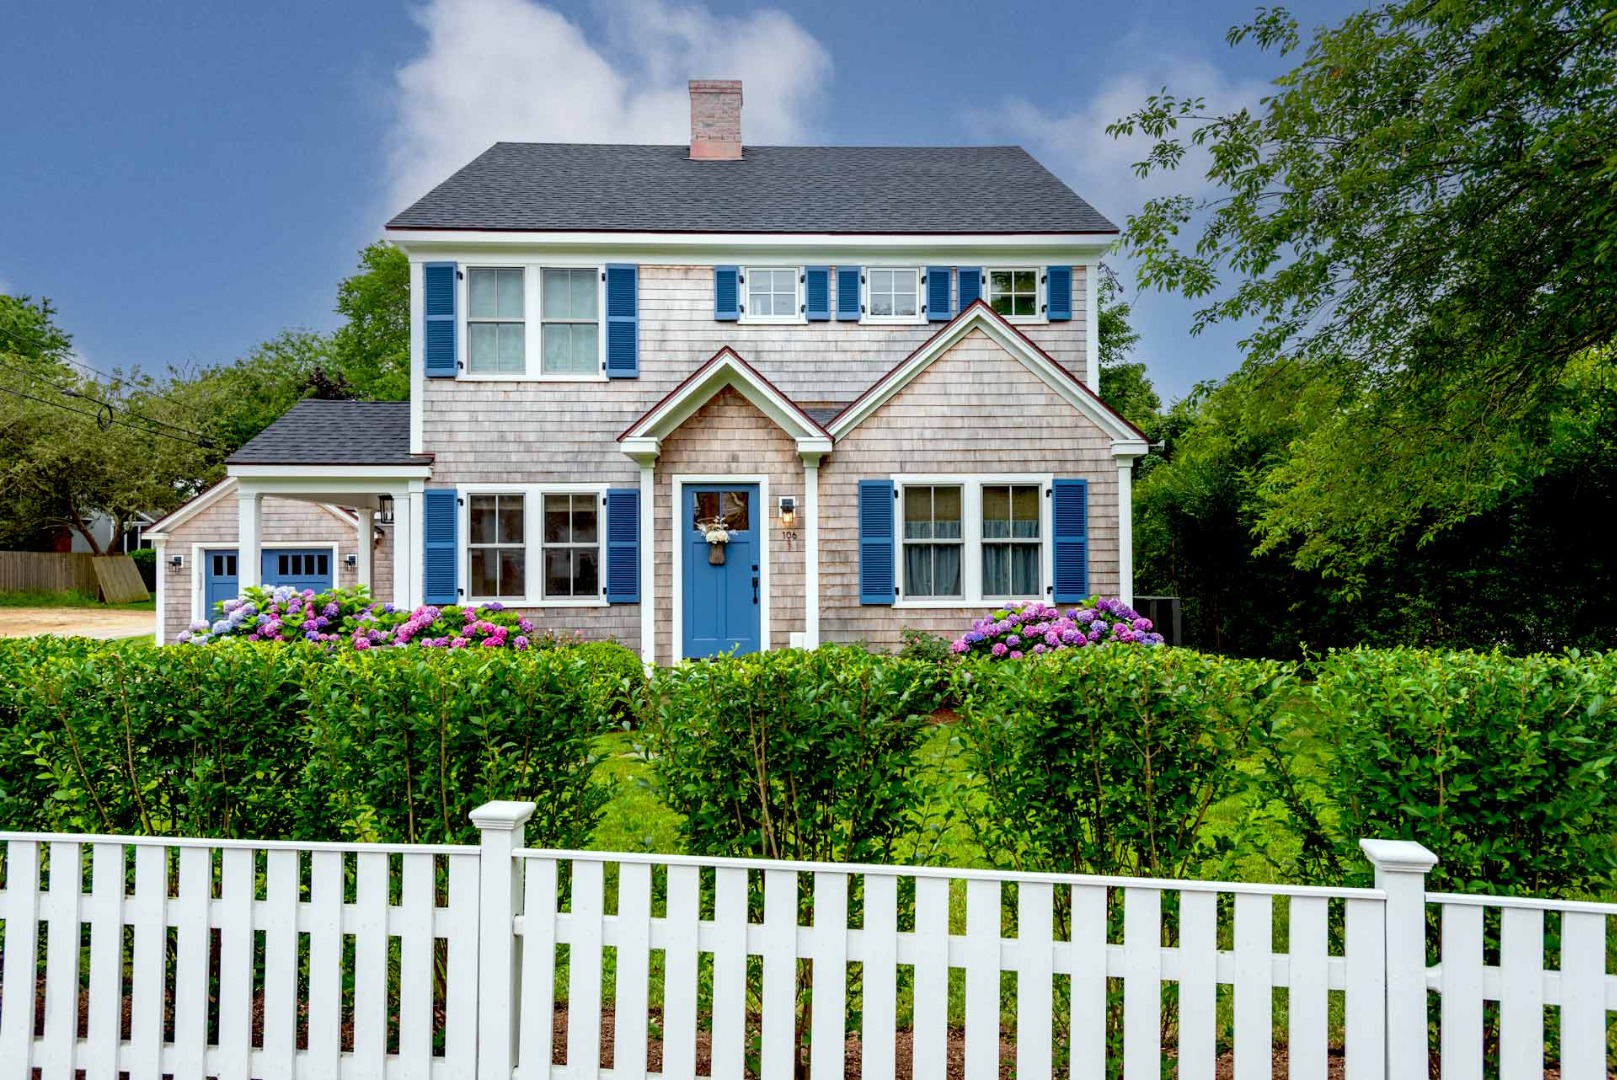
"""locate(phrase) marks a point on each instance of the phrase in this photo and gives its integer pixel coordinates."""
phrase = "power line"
(105, 417)
(73, 392)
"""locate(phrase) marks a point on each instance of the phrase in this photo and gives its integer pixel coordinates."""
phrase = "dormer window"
(772, 294)
(893, 294)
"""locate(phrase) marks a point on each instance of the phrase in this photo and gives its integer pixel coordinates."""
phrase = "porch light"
(351, 561)
(788, 511)
(175, 562)
(384, 509)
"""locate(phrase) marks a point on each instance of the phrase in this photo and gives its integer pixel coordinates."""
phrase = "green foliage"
(371, 349)
(1502, 766)
(1420, 218)
(293, 742)
(792, 754)
(1107, 761)
(1124, 384)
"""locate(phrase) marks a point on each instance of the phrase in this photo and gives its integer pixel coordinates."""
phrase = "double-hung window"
(772, 294)
(496, 552)
(494, 321)
(1014, 292)
(933, 541)
(572, 546)
(893, 294)
(1012, 547)
(570, 307)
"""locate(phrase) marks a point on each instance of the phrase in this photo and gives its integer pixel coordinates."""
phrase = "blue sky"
(184, 180)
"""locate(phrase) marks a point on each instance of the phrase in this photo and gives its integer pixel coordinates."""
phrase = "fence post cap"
(502, 814)
(1398, 856)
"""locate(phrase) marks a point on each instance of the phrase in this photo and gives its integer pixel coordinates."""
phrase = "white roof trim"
(981, 317)
(191, 509)
(357, 473)
(725, 369)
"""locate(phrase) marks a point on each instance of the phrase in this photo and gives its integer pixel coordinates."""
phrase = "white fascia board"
(650, 247)
(669, 415)
(356, 473)
(1130, 448)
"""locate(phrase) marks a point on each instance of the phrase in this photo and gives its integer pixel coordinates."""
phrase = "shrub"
(1035, 628)
(1501, 765)
(792, 754)
(1107, 760)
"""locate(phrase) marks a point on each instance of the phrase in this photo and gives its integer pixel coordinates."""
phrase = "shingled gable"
(724, 369)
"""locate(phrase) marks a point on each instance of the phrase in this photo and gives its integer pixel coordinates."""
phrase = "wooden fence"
(47, 572)
(349, 961)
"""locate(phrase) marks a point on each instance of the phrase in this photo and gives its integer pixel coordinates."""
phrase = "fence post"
(1401, 868)
(498, 961)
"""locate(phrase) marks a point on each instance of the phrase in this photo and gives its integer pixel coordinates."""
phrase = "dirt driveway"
(75, 622)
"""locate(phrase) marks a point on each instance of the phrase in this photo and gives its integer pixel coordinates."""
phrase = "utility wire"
(73, 392)
(104, 417)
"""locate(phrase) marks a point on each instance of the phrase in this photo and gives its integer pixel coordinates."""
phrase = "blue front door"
(219, 582)
(301, 569)
(721, 601)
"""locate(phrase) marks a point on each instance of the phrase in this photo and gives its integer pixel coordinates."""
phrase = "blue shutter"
(623, 545)
(441, 541)
(438, 307)
(971, 285)
(817, 293)
(1070, 518)
(726, 293)
(876, 542)
(938, 308)
(1058, 293)
(848, 293)
(622, 321)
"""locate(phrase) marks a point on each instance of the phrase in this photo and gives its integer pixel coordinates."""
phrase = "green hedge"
(293, 742)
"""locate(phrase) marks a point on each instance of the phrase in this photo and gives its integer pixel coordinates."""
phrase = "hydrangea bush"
(1037, 628)
(351, 618)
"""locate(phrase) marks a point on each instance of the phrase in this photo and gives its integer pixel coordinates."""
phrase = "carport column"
(405, 571)
(365, 547)
(249, 536)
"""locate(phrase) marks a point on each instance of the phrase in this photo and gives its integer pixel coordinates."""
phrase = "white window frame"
(865, 304)
(532, 319)
(1040, 293)
(533, 548)
(798, 314)
(971, 569)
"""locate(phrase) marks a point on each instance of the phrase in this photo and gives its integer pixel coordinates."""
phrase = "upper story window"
(1014, 291)
(570, 321)
(772, 294)
(893, 294)
(495, 330)
(496, 556)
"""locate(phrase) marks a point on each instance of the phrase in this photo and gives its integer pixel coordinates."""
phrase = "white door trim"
(676, 601)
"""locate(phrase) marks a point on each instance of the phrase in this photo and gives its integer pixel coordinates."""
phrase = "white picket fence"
(197, 958)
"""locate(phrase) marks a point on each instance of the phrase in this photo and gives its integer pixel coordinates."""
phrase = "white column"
(648, 560)
(160, 549)
(415, 583)
(249, 536)
(1401, 868)
(1092, 324)
(811, 551)
(365, 547)
(499, 902)
(1125, 530)
(403, 555)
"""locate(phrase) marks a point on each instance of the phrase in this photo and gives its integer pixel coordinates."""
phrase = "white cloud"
(1077, 148)
(516, 70)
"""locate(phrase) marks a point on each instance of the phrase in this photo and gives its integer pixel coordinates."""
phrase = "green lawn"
(68, 600)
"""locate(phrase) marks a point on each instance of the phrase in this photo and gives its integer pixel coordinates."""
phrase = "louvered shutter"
(938, 306)
(623, 546)
(622, 321)
(438, 312)
(817, 293)
(440, 541)
(726, 293)
(848, 293)
(971, 285)
(1070, 521)
(876, 542)
(1058, 293)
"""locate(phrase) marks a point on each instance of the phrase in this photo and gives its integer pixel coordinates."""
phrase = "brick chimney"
(715, 119)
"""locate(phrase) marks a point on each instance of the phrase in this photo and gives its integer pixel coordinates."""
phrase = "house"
(727, 397)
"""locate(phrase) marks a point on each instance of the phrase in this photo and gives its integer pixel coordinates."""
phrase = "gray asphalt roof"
(830, 189)
(316, 432)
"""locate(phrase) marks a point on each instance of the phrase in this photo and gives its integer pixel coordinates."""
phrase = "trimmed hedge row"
(283, 741)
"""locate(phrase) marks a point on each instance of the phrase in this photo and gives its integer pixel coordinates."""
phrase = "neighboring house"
(873, 368)
(102, 526)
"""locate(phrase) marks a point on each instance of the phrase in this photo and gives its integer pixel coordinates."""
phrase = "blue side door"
(721, 607)
(219, 579)
(301, 569)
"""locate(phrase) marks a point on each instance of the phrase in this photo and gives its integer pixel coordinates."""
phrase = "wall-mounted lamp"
(351, 561)
(175, 562)
(384, 509)
(788, 511)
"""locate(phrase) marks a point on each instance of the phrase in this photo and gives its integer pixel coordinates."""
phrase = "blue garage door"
(301, 569)
(220, 581)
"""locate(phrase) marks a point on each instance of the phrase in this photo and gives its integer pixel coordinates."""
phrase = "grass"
(38, 599)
